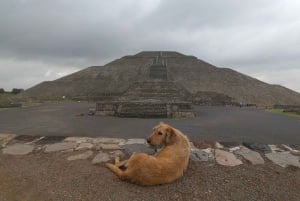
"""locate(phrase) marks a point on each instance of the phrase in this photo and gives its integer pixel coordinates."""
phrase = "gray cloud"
(255, 37)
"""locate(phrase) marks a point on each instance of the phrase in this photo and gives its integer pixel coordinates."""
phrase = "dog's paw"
(108, 165)
(117, 160)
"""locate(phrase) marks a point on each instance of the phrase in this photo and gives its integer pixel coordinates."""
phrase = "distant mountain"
(198, 77)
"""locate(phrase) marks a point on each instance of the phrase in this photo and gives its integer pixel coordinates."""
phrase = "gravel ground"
(40, 176)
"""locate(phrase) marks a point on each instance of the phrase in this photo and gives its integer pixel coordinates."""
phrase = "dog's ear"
(170, 135)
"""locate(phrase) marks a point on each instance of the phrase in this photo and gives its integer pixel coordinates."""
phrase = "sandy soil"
(40, 176)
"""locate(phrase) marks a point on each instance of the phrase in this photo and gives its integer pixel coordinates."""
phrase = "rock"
(117, 153)
(84, 145)
(253, 157)
(275, 148)
(283, 159)
(138, 148)
(257, 146)
(193, 146)
(82, 156)
(109, 146)
(233, 149)
(100, 158)
(50, 140)
(61, 146)
(18, 149)
(107, 140)
(219, 146)
(6, 138)
(78, 139)
(200, 155)
(226, 158)
(135, 141)
(288, 148)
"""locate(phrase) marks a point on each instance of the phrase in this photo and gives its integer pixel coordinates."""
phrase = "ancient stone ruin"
(157, 97)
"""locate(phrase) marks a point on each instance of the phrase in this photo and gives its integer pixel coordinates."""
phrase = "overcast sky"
(46, 39)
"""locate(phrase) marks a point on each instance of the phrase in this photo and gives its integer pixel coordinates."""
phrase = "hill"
(201, 79)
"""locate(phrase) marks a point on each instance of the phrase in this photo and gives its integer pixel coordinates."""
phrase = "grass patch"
(281, 112)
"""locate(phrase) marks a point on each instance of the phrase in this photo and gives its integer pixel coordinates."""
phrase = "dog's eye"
(160, 133)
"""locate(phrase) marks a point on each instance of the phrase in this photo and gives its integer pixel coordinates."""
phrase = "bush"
(16, 91)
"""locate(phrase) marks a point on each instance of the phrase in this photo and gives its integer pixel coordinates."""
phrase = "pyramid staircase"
(158, 97)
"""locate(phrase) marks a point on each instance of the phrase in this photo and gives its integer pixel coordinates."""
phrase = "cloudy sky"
(46, 39)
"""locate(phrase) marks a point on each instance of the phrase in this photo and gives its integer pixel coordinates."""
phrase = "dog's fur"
(166, 166)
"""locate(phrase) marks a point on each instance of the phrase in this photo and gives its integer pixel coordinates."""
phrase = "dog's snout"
(148, 140)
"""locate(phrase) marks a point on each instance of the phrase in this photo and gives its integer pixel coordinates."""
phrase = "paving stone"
(226, 158)
(219, 146)
(200, 155)
(284, 159)
(136, 141)
(50, 140)
(6, 138)
(129, 149)
(100, 158)
(78, 139)
(18, 149)
(22, 139)
(61, 146)
(288, 148)
(253, 157)
(257, 146)
(84, 145)
(193, 147)
(232, 149)
(108, 146)
(107, 140)
(117, 153)
(82, 156)
(275, 148)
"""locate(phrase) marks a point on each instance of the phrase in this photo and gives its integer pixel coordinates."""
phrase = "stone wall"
(149, 109)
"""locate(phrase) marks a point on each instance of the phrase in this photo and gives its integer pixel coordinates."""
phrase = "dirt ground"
(40, 177)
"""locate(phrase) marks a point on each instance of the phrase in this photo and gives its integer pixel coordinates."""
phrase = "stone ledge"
(228, 154)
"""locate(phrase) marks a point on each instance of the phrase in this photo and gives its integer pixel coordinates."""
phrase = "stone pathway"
(100, 150)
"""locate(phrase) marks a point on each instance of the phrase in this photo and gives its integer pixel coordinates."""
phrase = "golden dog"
(166, 166)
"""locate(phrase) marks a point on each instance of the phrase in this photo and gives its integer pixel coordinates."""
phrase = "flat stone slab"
(50, 140)
(257, 146)
(201, 155)
(78, 139)
(61, 146)
(226, 158)
(18, 149)
(100, 158)
(275, 148)
(253, 157)
(6, 138)
(117, 153)
(284, 159)
(82, 156)
(84, 145)
(107, 140)
(135, 141)
(138, 148)
(108, 146)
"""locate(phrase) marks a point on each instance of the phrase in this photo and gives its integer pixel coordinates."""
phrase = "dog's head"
(162, 134)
